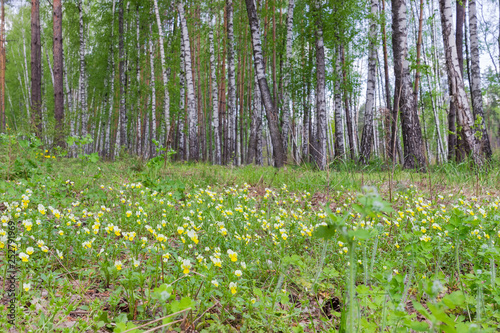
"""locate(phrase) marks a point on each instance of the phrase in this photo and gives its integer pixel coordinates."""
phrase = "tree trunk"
(256, 126)
(36, 69)
(464, 116)
(231, 98)
(477, 99)
(191, 100)
(166, 96)
(367, 136)
(321, 133)
(111, 65)
(182, 112)
(287, 73)
(121, 53)
(58, 75)
(339, 127)
(351, 131)
(138, 144)
(404, 101)
(215, 103)
(152, 84)
(82, 95)
(272, 116)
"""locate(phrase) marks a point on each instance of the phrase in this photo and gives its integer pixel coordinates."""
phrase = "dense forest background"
(266, 82)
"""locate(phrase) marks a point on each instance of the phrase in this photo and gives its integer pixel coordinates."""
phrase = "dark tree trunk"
(271, 112)
(58, 75)
(404, 101)
(36, 69)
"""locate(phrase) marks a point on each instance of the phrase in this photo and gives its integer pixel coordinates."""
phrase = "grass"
(132, 246)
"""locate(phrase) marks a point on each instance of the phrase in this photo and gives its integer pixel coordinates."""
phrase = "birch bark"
(191, 100)
(339, 127)
(182, 92)
(287, 74)
(111, 65)
(404, 101)
(321, 133)
(166, 96)
(477, 99)
(121, 54)
(367, 136)
(152, 84)
(82, 94)
(464, 116)
(272, 116)
(231, 99)
(215, 102)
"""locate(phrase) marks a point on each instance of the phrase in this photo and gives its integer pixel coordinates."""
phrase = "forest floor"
(129, 246)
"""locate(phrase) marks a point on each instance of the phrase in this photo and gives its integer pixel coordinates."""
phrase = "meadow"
(130, 246)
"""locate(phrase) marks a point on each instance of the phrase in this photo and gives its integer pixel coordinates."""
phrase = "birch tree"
(191, 100)
(82, 94)
(231, 99)
(287, 74)
(404, 101)
(182, 110)
(166, 96)
(215, 101)
(121, 54)
(111, 65)
(464, 116)
(271, 112)
(477, 98)
(321, 133)
(152, 84)
(367, 135)
(339, 127)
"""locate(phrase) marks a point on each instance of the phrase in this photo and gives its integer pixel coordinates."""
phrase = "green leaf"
(325, 231)
(184, 303)
(360, 234)
(419, 326)
(454, 299)
(257, 292)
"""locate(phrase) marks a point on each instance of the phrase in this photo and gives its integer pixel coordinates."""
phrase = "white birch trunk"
(138, 78)
(191, 100)
(121, 69)
(82, 80)
(25, 72)
(50, 66)
(269, 104)
(111, 64)
(166, 96)
(477, 99)
(367, 135)
(182, 112)
(287, 74)
(321, 134)
(153, 96)
(215, 101)
(464, 116)
(231, 99)
(339, 127)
